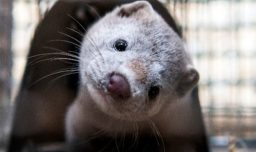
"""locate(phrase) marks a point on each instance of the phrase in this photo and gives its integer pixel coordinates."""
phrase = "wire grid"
(5, 66)
(221, 37)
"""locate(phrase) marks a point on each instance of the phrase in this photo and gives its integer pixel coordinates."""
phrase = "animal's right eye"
(120, 45)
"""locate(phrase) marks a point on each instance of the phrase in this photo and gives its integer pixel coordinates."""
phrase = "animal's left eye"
(153, 92)
(120, 45)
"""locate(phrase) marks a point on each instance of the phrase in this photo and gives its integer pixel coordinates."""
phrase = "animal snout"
(118, 86)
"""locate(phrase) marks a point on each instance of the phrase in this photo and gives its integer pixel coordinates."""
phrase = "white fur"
(96, 66)
(150, 41)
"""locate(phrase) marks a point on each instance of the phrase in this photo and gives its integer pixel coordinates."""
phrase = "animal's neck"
(101, 120)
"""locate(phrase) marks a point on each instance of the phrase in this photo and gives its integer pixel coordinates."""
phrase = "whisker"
(136, 131)
(76, 53)
(64, 75)
(106, 146)
(52, 74)
(117, 147)
(94, 136)
(69, 36)
(97, 49)
(123, 141)
(135, 135)
(92, 43)
(77, 32)
(92, 52)
(157, 132)
(77, 22)
(57, 53)
(90, 39)
(66, 41)
(95, 71)
(52, 59)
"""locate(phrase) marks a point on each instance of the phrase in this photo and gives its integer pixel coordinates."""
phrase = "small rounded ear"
(137, 9)
(188, 80)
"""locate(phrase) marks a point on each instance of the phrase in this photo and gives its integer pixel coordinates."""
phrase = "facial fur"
(153, 62)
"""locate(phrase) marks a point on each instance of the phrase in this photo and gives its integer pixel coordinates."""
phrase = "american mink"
(136, 82)
(41, 105)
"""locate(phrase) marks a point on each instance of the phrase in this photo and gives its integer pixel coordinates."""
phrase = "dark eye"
(153, 92)
(120, 45)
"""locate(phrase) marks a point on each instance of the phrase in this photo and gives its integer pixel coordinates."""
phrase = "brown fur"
(139, 69)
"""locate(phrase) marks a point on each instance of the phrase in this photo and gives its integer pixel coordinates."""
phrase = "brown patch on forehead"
(139, 69)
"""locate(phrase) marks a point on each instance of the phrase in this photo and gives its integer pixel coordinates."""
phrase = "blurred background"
(219, 34)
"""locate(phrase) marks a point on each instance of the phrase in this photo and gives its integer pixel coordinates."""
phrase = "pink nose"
(118, 86)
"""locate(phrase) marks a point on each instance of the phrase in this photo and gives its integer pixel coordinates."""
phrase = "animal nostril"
(118, 86)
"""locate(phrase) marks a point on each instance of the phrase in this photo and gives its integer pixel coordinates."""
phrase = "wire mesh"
(5, 69)
(221, 38)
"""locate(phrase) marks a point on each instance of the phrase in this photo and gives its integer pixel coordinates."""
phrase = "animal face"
(131, 62)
